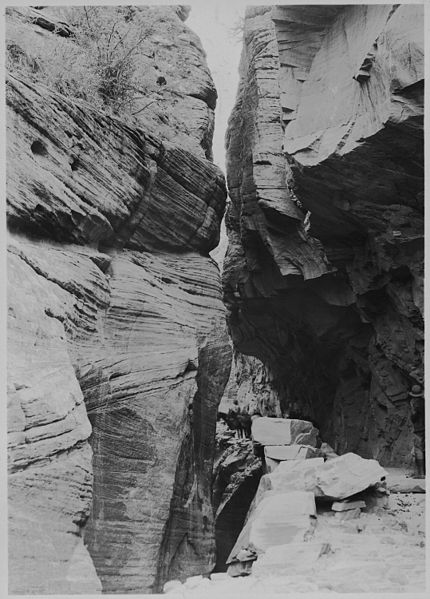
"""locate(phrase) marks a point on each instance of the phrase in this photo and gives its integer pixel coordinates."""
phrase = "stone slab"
(278, 519)
(406, 485)
(289, 452)
(348, 515)
(283, 431)
(344, 506)
(215, 576)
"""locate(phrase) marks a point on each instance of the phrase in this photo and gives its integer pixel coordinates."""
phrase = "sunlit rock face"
(176, 93)
(324, 269)
(117, 344)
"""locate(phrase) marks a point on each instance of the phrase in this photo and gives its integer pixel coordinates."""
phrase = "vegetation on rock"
(98, 61)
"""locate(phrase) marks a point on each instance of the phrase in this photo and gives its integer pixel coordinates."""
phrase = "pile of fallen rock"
(322, 522)
(298, 474)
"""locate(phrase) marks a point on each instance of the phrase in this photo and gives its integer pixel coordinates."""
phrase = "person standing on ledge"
(416, 396)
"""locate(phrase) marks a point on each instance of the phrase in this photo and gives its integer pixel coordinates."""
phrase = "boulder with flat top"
(284, 431)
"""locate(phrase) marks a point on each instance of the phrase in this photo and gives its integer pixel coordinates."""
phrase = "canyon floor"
(382, 550)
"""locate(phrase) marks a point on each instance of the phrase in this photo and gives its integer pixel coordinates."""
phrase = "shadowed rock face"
(324, 269)
(237, 472)
(117, 346)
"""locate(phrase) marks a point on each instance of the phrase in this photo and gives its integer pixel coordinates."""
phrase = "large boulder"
(347, 475)
(283, 431)
(296, 475)
(279, 518)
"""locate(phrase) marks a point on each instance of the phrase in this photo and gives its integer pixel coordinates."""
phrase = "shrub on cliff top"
(97, 63)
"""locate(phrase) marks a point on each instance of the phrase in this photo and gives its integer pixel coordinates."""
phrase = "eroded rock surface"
(175, 93)
(324, 268)
(251, 384)
(237, 473)
(118, 352)
(50, 459)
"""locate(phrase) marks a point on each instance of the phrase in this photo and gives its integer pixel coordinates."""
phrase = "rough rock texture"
(181, 109)
(324, 270)
(113, 301)
(152, 181)
(50, 470)
(292, 539)
(381, 552)
(292, 475)
(237, 473)
(347, 475)
(251, 384)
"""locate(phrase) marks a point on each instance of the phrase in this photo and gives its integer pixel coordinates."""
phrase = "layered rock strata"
(174, 95)
(117, 346)
(324, 269)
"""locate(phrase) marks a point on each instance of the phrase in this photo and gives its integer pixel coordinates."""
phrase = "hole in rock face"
(38, 148)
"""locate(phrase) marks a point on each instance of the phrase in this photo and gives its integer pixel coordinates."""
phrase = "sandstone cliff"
(117, 345)
(324, 269)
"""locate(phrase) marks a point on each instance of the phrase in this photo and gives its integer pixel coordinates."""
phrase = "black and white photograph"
(214, 299)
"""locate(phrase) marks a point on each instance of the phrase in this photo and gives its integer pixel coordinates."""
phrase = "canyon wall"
(323, 276)
(117, 346)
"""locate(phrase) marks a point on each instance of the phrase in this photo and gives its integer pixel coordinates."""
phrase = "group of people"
(237, 420)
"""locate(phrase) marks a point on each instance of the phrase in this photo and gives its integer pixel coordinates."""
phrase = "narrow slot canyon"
(215, 382)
